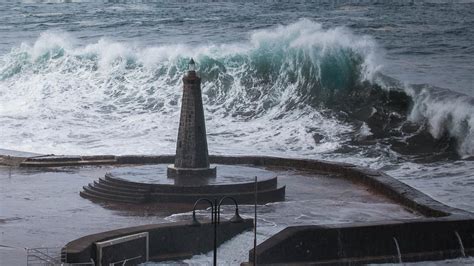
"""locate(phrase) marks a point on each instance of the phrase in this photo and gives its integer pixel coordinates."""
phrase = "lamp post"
(215, 217)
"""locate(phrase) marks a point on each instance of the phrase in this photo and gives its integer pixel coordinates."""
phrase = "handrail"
(35, 256)
(48, 257)
(42, 259)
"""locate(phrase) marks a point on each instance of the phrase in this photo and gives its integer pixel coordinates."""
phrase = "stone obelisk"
(192, 157)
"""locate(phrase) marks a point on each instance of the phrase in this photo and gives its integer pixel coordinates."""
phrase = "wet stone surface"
(42, 207)
(226, 174)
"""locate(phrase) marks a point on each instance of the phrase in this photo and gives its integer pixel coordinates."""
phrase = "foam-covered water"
(87, 99)
(387, 85)
(310, 199)
(115, 90)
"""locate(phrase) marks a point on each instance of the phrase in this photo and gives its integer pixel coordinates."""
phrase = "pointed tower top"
(191, 65)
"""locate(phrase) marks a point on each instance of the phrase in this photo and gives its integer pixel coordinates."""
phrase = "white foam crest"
(446, 112)
(152, 56)
(235, 250)
(292, 135)
(61, 97)
(318, 42)
(110, 54)
(50, 43)
(364, 132)
(79, 95)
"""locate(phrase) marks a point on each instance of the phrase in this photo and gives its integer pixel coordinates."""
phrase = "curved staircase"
(115, 189)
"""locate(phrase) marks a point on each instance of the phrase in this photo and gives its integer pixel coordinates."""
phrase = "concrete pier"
(353, 212)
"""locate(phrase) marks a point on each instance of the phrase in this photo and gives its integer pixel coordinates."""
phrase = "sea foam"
(265, 95)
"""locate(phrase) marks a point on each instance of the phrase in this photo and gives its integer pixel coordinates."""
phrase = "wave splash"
(445, 113)
(296, 89)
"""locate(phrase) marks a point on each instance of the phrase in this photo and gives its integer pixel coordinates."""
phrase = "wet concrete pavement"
(42, 207)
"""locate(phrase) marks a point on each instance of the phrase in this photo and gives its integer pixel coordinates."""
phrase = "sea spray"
(281, 91)
(71, 96)
(445, 112)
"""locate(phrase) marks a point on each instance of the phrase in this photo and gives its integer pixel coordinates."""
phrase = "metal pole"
(215, 218)
(216, 210)
(255, 226)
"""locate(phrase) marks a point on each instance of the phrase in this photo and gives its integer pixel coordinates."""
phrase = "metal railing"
(44, 256)
(50, 256)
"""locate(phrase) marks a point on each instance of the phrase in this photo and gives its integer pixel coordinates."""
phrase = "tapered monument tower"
(192, 157)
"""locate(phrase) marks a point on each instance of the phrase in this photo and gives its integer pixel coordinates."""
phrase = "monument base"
(173, 172)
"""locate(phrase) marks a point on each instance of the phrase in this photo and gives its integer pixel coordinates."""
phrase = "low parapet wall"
(360, 243)
(376, 180)
(168, 241)
(447, 232)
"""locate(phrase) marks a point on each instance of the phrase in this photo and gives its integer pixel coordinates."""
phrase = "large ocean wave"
(299, 89)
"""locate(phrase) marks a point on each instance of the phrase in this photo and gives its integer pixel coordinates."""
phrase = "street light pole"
(215, 217)
(255, 225)
(216, 211)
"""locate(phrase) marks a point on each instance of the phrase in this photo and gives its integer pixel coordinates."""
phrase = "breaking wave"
(298, 88)
(445, 112)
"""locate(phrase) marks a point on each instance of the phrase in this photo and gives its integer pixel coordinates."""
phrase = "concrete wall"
(430, 239)
(376, 180)
(421, 239)
(167, 241)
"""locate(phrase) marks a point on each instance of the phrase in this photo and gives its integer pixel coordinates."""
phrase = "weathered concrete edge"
(376, 180)
(272, 251)
(11, 160)
(184, 234)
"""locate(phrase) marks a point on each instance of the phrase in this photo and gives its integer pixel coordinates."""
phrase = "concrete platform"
(318, 193)
(177, 172)
(20, 154)
(364, 243)
(167, 241)
(150, 184)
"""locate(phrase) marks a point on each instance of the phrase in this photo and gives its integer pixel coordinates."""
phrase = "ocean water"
(384, 84)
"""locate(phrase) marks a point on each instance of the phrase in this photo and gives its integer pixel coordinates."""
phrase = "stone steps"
(110, 178)
(99, 197)
(108, 187)
(110, 195)
(114, 189)
(264, 196)
(133, 194)
(266, 184)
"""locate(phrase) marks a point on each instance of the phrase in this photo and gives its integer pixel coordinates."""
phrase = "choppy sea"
(385, 84)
